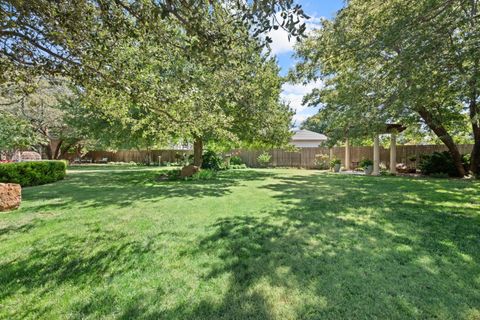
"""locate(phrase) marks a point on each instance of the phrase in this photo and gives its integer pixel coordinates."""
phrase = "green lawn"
(254, 244)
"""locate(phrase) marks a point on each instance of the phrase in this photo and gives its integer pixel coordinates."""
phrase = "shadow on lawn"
(68, 259)
(366, 247)
(394, 259)
(123, 189)
(64, 261)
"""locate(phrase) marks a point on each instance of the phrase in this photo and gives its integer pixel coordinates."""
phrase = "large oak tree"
(163, 66)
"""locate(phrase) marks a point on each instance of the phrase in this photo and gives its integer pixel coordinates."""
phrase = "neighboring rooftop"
(305, 135)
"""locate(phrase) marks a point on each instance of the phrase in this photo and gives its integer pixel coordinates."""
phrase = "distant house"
(307, 139)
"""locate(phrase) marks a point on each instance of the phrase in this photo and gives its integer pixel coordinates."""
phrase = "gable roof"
(308, 135)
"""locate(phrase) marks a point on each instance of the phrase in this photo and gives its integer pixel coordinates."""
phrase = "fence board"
(303, 158)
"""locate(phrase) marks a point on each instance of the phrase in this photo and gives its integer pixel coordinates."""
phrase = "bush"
(440, 163)
(321, 161)
(212, 160)
(173, 174)
(32, 173)
(236, 160)
(264, 159)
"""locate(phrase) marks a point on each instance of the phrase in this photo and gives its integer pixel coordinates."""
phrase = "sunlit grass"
(253, 244)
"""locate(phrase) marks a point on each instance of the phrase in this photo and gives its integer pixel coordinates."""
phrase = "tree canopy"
(152, 72)
(399, 61)
(75, 38)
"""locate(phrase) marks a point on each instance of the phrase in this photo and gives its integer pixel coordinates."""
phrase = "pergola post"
(376, 156)
(393, 153)
(347, 154)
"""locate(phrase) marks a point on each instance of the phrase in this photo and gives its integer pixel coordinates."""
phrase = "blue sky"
(283, 49)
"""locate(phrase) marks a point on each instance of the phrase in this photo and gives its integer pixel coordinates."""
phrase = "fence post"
(347, 154)
(376, 156)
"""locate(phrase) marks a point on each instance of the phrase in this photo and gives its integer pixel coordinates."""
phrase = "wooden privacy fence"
(138, 156)
(303, 158)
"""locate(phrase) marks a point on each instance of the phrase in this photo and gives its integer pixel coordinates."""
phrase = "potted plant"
(367, 166)
(335, 164)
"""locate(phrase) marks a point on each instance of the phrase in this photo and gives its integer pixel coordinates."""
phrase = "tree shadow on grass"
(350, 243)
(122, 189)
(334, 247)
(64, 261)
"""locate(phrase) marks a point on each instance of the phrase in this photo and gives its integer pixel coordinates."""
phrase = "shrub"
(32, 173)
(173, 174)
(205, 174)
(439, 163)
(264, 159)
(212, 160)
(236, 160)
(321, 161)
(365, 163)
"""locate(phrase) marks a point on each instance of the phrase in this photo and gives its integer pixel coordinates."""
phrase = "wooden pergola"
(390, 128)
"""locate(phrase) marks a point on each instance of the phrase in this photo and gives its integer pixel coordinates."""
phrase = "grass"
(253, 244)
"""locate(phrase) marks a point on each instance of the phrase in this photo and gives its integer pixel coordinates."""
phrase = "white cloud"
(298, 119)
(293, 94)
(280, 43)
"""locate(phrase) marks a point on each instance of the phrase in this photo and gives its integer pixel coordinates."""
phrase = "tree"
(42, 109)
(167, 65)
(174, 92)
(402, 62)
(15, 134)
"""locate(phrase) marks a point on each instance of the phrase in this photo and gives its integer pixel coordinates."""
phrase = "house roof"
(308, 135)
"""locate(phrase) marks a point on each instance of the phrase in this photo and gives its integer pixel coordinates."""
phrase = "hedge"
(32, 173)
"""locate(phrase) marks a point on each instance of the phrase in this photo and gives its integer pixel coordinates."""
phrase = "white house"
(307, 139)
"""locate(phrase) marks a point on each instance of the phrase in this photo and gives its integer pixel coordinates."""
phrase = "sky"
(283, 50)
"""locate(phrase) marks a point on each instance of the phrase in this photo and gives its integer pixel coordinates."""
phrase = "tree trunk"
(48, 152)
(474, 118)
(443, 135)
(475, 155)
(197, 152)
(56, 155)
(52, 149)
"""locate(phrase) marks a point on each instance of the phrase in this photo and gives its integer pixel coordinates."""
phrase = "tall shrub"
(441, 163)
(212, 160)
